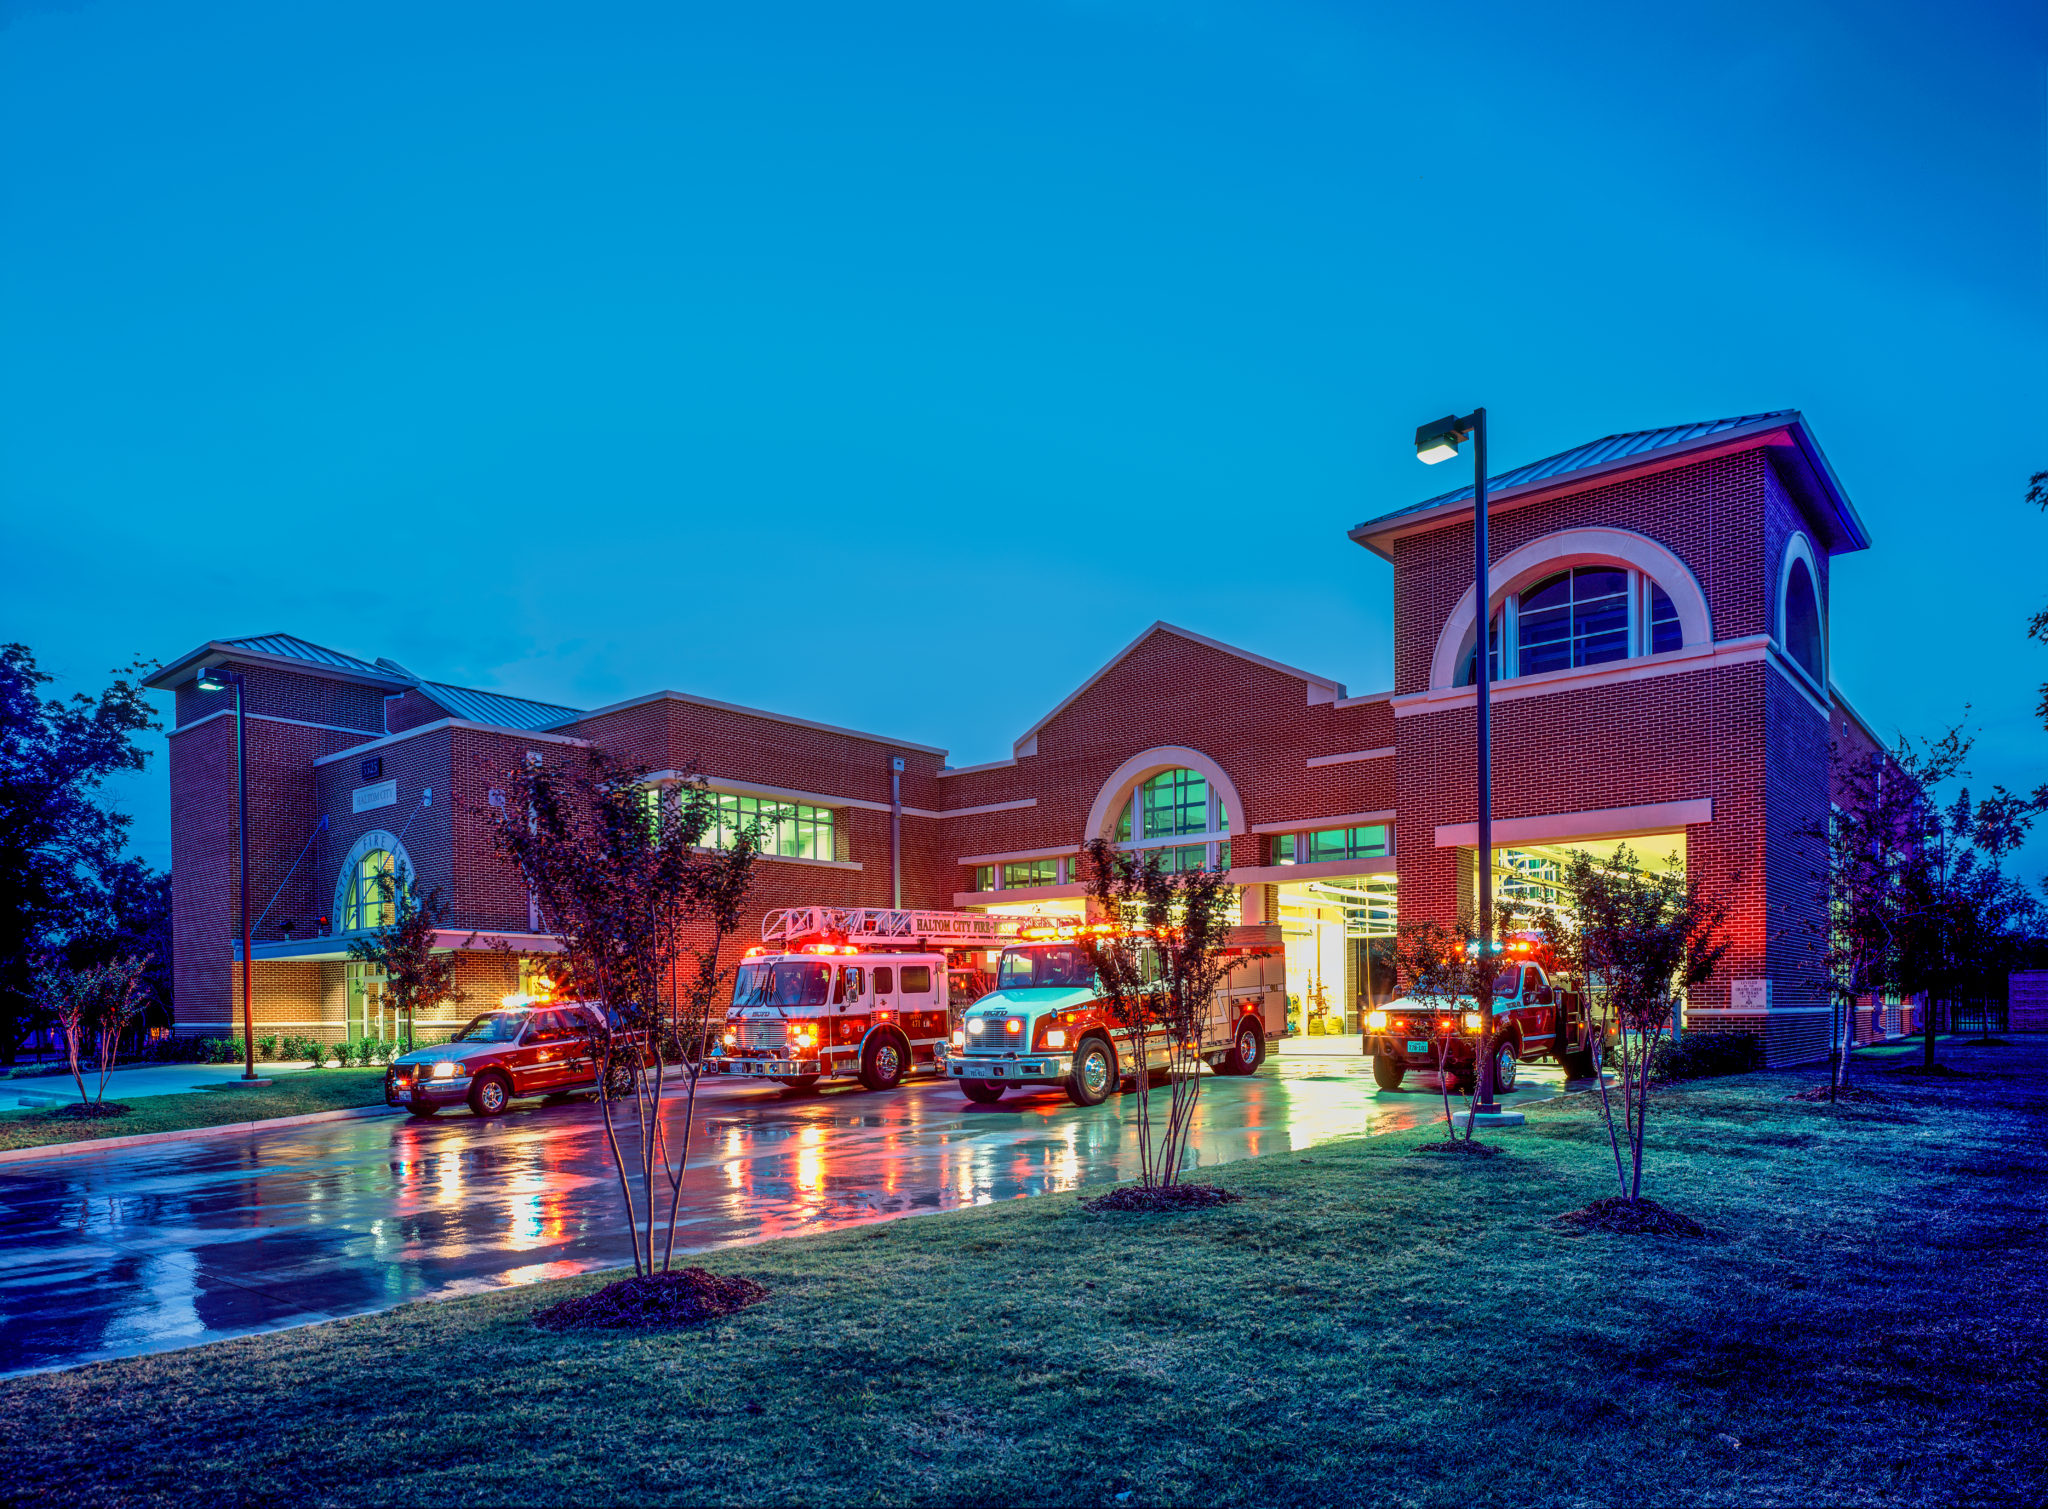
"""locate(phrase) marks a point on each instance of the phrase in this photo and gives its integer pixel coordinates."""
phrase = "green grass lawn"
(1369, 1325)
(293, 1094)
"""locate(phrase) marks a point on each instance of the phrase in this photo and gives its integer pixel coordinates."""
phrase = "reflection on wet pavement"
(150, 1248)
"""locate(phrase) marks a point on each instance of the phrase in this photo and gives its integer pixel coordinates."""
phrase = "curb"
(187, 1134)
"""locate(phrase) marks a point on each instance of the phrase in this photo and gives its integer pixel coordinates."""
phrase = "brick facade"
(1726, 731)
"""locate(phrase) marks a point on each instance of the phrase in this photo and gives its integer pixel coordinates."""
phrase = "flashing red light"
(1013, 1025)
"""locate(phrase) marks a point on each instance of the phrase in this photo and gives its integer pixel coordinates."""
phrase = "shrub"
(266, 1049)
(344, 1053)
(1705, 1055)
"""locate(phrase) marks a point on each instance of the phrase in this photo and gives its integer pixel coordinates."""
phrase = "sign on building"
(1750, 995)
(383, 794)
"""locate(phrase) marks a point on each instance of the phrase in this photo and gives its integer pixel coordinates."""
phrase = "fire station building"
(1658, 628)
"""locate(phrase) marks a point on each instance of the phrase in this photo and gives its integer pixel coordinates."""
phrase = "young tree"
(58, 847)
(1643, 940)
(92, 1005)
(2037, 626)
(621, 877)
(1159, 954)
(1444, 971)
(416, 977)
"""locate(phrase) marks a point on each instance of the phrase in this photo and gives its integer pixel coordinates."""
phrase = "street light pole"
(215, 679)
(1433, 443)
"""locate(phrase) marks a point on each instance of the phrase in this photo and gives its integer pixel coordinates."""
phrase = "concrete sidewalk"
(137, 1082)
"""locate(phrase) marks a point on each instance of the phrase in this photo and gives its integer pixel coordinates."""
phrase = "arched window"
(1587, 615)
(1802, 620)
(1170, 809)
(370, 900)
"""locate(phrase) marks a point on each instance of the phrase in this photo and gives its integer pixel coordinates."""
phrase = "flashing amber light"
(756, 949)
(1013, 1025)
(1471, 1021)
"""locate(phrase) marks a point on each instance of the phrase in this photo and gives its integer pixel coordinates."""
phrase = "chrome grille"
(996, 1037)
(756, 1036)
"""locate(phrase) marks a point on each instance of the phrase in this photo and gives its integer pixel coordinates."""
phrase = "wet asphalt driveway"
(163, 1246)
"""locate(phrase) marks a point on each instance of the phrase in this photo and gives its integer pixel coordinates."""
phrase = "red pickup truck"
(1531, 1019)
(515, 1050)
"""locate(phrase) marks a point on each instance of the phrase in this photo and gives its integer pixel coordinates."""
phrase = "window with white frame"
(1170, 809)
(1583, 616)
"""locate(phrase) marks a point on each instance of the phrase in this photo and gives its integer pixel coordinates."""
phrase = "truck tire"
(1506, 1058)
(1583, 1063)
(798, 1082)
(981, 1091)
(490, 1095)
(421, 1112)
(621, 1079)
(1386, 1073)
(1247, 1049)
(1094, 1073)
(884, 1061)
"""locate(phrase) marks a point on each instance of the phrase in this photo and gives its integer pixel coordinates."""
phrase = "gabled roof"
(497, 708)
(285, 650)
(1320, 688)
(1636, 449)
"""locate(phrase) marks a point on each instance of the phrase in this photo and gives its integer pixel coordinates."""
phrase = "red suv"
(518, 1050)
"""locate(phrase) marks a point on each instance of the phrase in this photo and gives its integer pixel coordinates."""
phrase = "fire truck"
(1046, 1024)
(1532, 1017)
(867, 993)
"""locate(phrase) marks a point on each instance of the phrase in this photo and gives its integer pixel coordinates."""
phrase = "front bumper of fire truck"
(1010, 1068)
(1414, 1042)
(760, 1064)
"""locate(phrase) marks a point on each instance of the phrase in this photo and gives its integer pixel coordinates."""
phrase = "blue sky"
(893, 365)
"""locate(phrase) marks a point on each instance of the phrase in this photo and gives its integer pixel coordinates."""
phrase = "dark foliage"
(1137, 1198)
(62, 877)
(650, 1302)
(1463, 1146)
(88, 1110)
(1631, 1218)
(1706, 1055)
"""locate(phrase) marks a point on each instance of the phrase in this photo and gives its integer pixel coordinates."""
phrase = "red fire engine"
(858, 992)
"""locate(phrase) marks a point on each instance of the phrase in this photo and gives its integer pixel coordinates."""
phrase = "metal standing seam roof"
(288, 647)
(497, 708)
(1609, 448)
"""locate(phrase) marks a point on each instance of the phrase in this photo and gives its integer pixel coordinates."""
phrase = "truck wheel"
(981, 1092)
(422, 1112)
(883, 1062)
(1094, 1074)
(1386, 1072)
(1505, 1062)
(799, 1082)
(490, 1095)
(621, 1080)
(1248, 1050)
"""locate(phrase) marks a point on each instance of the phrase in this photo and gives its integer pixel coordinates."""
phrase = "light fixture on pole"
(1434, 442)
(214, 679)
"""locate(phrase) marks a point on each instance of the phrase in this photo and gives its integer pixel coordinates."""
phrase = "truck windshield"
(788, 983)
(1506, 982)
(1022, 968)
(493, 1027)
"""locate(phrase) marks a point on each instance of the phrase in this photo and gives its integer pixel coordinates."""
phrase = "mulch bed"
(680, 1297)
(85, 1111)
(1135, 1197)
(1847, 1095)
(1631, 1218)
(1930, 1071)
(1459, 1147)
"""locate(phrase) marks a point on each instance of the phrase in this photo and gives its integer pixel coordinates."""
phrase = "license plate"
(1415, 1047)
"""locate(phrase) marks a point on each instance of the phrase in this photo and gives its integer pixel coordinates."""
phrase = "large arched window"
(1179, 814)
(1586, 615)
(370, 897)
(1802, 620)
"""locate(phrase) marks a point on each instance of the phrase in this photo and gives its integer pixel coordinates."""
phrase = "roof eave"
(1378, 535)
(219, 652)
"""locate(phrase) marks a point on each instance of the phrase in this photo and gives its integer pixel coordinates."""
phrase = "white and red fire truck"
(1046, 1023)
(867, 993)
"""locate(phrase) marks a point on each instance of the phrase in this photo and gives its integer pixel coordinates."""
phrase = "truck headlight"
(1471, 1021)
(976, 1027)
(1377, 1020)
(445, 1071)
(1057, 1038)
(731, 1039)
(959, 1040)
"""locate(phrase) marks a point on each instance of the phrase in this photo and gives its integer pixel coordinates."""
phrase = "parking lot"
(168, 1245)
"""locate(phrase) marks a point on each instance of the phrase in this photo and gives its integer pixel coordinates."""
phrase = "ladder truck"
(868, 993)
